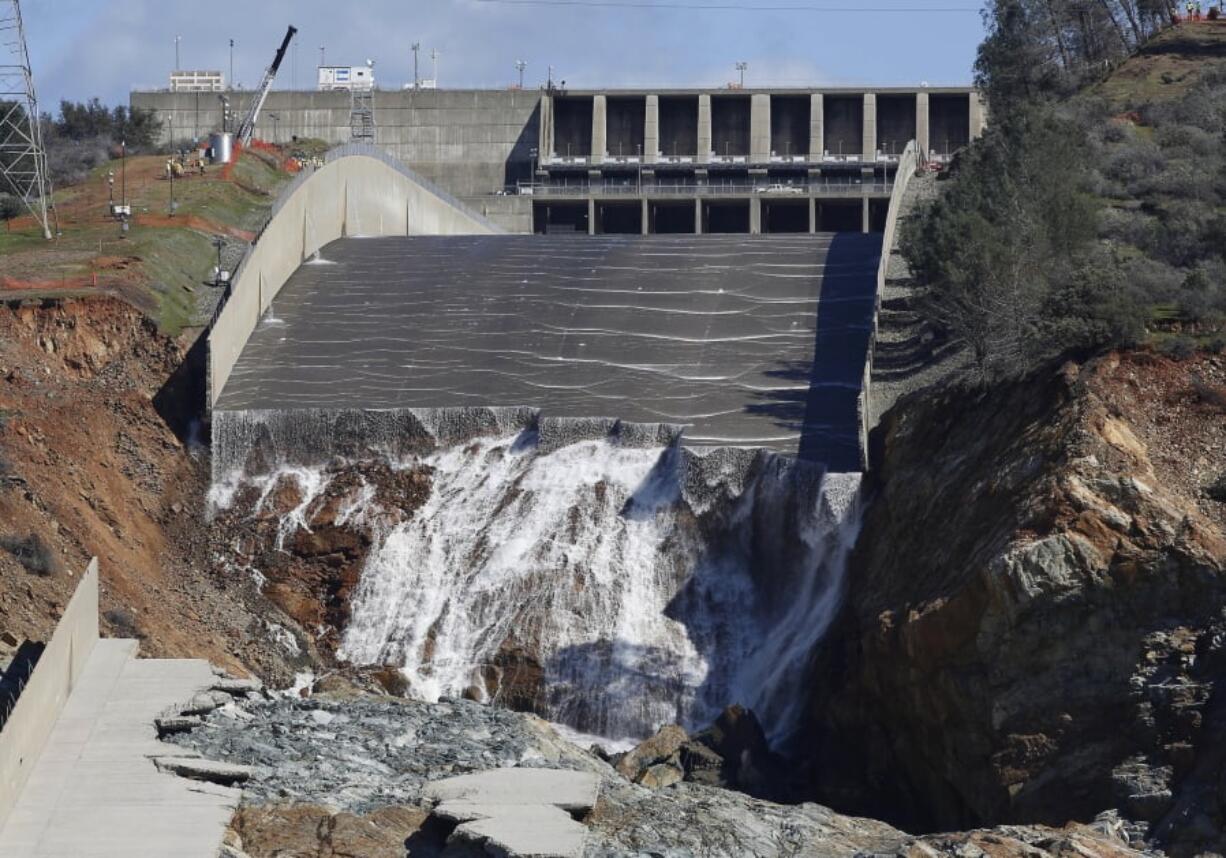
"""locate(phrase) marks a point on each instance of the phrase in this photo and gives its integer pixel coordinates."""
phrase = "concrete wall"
(468, 141)
(57, 672)
(907, 165)
(359, 191)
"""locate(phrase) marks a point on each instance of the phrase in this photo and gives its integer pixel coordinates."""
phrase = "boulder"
(662, 748)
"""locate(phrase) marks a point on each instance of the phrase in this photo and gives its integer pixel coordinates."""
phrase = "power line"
(730, 7)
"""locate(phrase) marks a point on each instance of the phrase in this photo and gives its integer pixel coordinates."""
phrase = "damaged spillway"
(610, 574)
(612, 583)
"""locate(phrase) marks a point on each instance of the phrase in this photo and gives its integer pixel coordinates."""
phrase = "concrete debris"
(199, 769)
(171, 724)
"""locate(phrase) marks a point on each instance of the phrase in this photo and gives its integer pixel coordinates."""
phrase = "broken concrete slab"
(529, 831)
(200, 769)
(168, 725)
(237, 687)
(573, 792)
(517, 812)
(204, 703)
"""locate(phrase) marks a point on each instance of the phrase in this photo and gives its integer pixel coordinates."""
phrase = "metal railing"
(718, 190)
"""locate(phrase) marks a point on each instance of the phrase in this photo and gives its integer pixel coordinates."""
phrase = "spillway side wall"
(908, 163)
(353, 195)
(59, 668)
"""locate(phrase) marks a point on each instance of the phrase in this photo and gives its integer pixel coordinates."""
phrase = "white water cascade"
(641, 605)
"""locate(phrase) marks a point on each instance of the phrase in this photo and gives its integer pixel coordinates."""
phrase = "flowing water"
(645, 585)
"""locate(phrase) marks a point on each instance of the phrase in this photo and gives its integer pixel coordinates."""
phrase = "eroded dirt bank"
(89, 467)
(1035, 628)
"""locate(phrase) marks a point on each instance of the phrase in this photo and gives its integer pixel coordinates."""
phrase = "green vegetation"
(161, 264)
(1071, 226)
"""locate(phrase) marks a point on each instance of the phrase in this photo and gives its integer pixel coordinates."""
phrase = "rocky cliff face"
(1035, 628)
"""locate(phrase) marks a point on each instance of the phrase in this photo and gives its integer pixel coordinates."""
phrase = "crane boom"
(247, 128)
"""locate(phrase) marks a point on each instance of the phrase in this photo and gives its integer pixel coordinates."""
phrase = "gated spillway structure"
(373, 299)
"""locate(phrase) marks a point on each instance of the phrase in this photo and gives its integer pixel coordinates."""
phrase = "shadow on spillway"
(823, 407)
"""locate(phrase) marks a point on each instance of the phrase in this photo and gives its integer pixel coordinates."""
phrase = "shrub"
(1209, 393)
(31, 552)
(1217, 489)
(1179, 348)
(124, 623)
(10, 207)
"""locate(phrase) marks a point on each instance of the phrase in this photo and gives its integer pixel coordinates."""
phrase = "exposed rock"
(738, 739)
(1037, 584)
(310, 570)
(663, 750)
(386, 752)
(314, 831)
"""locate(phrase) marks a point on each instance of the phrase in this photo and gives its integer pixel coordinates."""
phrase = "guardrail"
(832, 189)
(907, 165)
(57, 672)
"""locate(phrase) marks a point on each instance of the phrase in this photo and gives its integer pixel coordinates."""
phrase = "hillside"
(1167, 67)
(163, 263)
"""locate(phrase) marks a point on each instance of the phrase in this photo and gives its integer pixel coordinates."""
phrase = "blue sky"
(82, 48)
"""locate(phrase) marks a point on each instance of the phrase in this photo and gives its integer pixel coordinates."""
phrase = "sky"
(105, 48)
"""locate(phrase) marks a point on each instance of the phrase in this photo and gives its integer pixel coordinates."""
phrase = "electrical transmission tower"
(23, 160)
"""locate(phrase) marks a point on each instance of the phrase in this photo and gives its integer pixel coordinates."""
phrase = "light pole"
(231, 64)
(434, 61)
(276, 120)
(219, 243)
(178, 66)
(322, 55)
(740, 67)
(520, 65)
(416, 80)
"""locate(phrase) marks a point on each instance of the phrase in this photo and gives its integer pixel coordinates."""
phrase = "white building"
(197, 81)
(346, 78)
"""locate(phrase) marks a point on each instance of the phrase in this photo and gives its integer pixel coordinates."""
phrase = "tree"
(90, 120)
(991, 251)
(10, 207)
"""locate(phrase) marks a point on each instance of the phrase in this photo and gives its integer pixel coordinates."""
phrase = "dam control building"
(678, 161)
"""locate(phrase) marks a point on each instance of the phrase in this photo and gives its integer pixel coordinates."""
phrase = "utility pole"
(434, 60)
(23, 160)
(416, 79)
(322, 54)
(231, 64)
(740, 67)
(520, 65)
(178, 65)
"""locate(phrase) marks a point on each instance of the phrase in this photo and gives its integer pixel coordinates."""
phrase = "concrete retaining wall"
(469, 141)
(907, 165)
(57, 672)
(359, 191)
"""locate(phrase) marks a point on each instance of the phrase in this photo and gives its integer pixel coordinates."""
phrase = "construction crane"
(247, 127)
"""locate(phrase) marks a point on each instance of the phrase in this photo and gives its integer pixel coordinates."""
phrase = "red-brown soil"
(91, 468)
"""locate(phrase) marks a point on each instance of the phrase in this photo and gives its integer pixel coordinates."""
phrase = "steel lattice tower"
(23, 160)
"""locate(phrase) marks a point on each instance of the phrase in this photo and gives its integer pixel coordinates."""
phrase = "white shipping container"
(346, 78)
